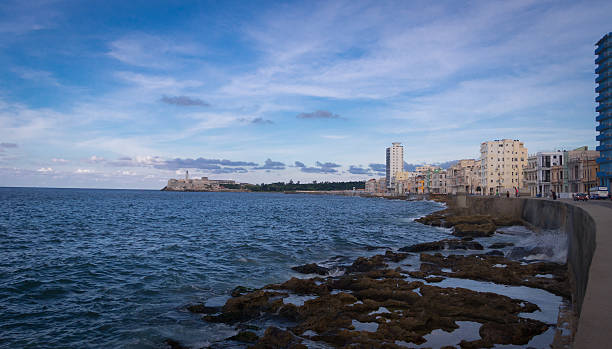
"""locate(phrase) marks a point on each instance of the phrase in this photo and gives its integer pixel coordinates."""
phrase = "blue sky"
(126, 94)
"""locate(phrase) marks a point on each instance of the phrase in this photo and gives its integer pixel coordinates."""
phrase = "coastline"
(380, 302)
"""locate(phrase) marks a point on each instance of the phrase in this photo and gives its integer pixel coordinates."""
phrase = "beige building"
(438, 182)
(376, 185)
(582, 170)
(395, 163)
(464, 177)
(502, 165)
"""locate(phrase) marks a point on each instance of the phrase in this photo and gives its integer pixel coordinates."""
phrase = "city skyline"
(127, 95)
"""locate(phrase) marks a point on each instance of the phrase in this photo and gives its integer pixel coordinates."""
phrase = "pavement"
(595, 324)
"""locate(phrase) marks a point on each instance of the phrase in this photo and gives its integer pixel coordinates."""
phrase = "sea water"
(116, 268)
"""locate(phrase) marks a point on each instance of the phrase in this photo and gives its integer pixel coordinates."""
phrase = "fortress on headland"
(197, 184)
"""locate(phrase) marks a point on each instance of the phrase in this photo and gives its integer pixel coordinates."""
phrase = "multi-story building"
(582, 169)
(604, 108)
(502, 164)
(395, 163)
(464, 177)
(437, 181)
(539, 171)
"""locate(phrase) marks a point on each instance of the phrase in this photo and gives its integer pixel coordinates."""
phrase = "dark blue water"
(116, 268)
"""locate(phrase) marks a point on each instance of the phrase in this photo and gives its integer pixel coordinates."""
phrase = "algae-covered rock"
(474, 230)
(245, 336)
(311, 268)
(446, 244)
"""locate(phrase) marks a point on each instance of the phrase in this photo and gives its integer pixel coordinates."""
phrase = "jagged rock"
(244, 336)
(483, 267)
(301, 286)
(311, 268)
(447, 244)
(507, 221)
(172, 344)
(363, 264)
(495, 253)
(395, 257)
(248, 306)
(434, 279)
(202, 309)
(499, 245)
(522, 252)
(241, 290)
(472, 219)
(474, 230)
(275, 338)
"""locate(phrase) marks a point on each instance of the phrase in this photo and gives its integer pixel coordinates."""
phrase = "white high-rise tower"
(395, 162)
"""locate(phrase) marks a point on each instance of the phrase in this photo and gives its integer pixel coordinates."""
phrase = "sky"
(127, 94)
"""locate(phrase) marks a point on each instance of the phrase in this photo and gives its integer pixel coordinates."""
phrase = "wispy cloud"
(327, 167)
(319, 114)
(184, 101)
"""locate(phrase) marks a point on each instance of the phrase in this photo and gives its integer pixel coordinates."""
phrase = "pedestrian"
(507, 194)
(554, 195)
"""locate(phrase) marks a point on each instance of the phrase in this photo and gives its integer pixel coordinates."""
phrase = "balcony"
(603, 160)
(602, 98)
(603, 87)
(603, 127)
(603, 116)
(603, 107)
(603, 137)
(602, 58)
(604, 147)
(602, 68)
(604, 174)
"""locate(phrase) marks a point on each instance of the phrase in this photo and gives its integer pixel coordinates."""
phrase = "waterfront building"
(502, 165)
(582, 170)
(438, 182)
(464, 177)
(604, 108)
(195, 184)
(395, 162)
(370, 186)
(539, 172)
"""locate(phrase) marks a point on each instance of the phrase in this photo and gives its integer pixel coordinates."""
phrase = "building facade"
(539, 173)
(582, 169)
(603, 61)
(464, 177)
(502, 165)
(438, 183)
(395, 163)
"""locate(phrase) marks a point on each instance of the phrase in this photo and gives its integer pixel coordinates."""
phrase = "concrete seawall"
(589, 258)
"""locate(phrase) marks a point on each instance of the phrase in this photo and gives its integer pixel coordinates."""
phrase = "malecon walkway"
(595, 323)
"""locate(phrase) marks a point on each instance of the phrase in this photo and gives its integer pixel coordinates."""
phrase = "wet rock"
(474, 230)
(202, 309)
(248, 306)
(517, 333)
(499, 245)
(434, 279)
(495, 253)
(471, 219)
(484, 268)
(395, 257)
(507, 221)
(447, 244)
(311, 268)
(363, 264)
(302, 286)
(172, 344)
(241, 290)
(275, 338)
(244, 336)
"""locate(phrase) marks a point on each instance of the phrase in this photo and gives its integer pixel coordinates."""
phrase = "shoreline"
(378, 302)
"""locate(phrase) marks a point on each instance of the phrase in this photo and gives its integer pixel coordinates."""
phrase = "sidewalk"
(595, 324)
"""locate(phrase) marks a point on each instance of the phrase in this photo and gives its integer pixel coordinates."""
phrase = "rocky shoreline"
(378, 302)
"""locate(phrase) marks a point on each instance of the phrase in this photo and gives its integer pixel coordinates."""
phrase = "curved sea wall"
(540, 214)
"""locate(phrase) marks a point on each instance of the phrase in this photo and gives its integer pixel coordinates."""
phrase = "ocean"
(85, 268)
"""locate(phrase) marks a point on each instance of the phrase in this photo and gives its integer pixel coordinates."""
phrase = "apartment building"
(437, 182)
(395, 163)
(464, 177)
(604, 108)
(539, 173)
(582, 169)
(502, 165)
